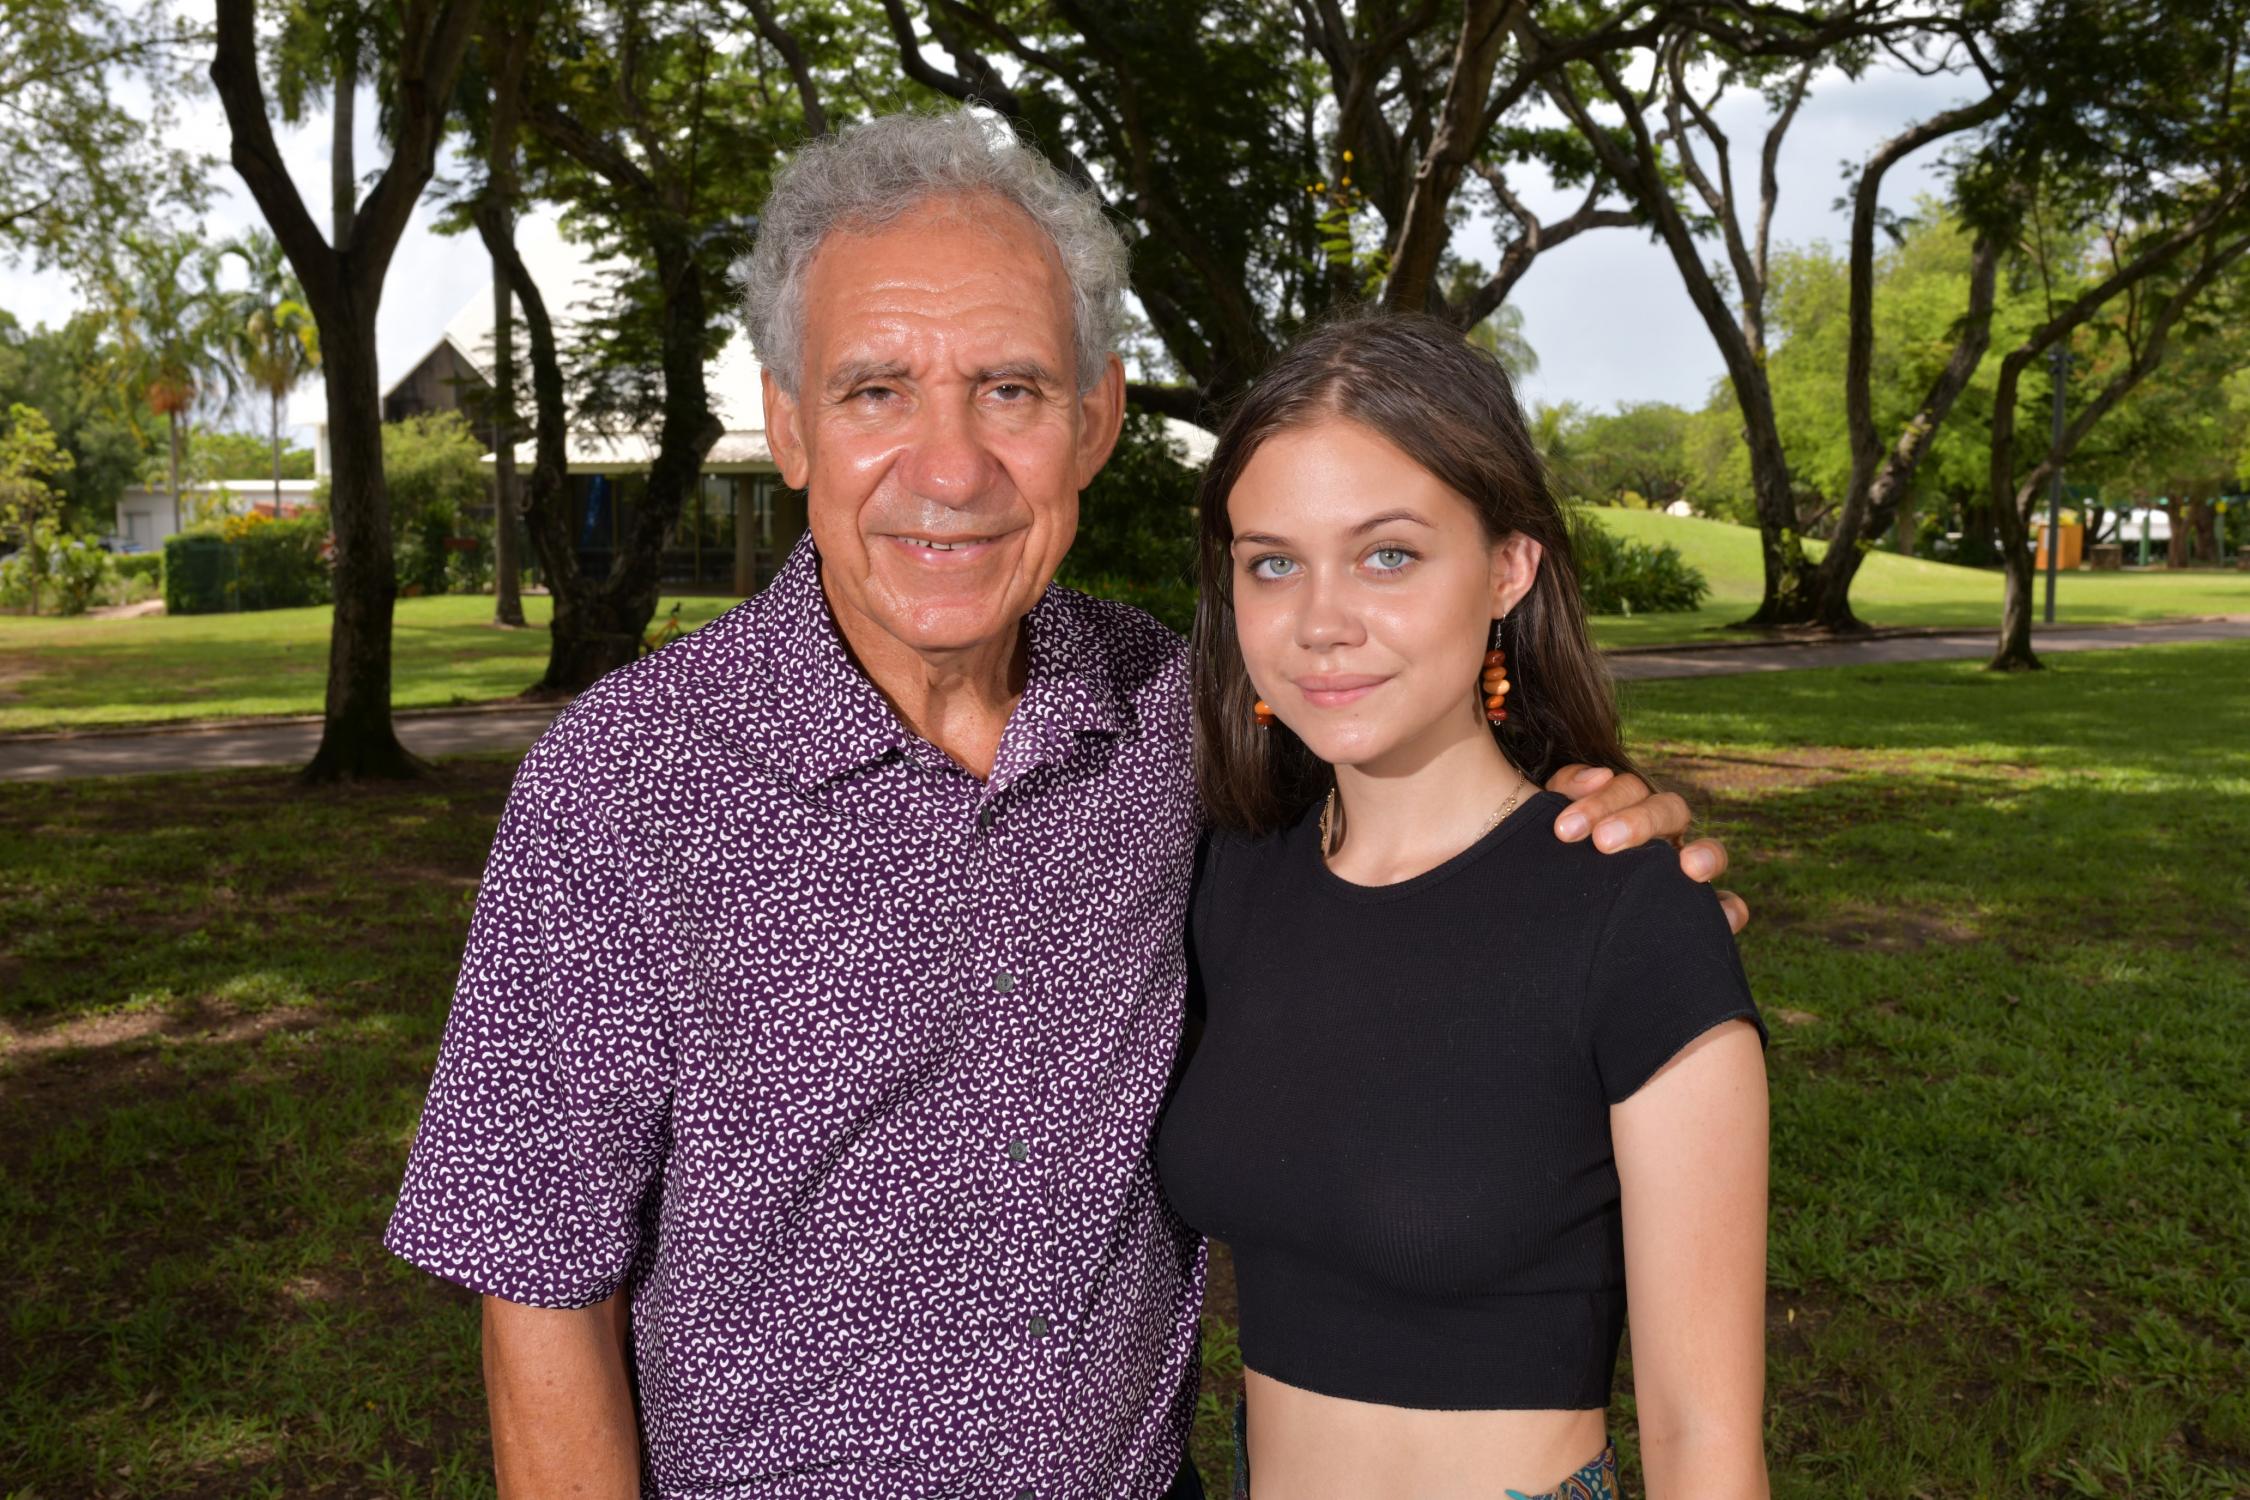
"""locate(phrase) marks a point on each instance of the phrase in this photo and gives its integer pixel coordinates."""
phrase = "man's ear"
(784, 438)
(1515, 567)
(1101, 415)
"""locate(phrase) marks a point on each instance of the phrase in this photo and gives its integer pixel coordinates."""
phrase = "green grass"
(1892, 590)
(2002, 932)
(63, 674)
(57, 673)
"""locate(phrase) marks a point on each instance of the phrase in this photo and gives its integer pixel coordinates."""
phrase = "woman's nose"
(1327, 620)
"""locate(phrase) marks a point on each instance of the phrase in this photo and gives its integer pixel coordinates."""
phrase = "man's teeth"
(939, 546)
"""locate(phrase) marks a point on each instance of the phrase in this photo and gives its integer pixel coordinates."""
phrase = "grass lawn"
(57, 673)
(2002, 934)
(1895, 590)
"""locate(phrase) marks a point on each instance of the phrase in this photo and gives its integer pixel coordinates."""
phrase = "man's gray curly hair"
(875, 172)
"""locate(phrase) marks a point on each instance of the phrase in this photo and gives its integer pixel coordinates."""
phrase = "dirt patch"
(1889, 930)
(117, 1029)
(14, 671)
(1706, 776)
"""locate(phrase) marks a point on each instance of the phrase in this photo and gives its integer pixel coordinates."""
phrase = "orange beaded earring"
(1496, 680)
(1262, 711)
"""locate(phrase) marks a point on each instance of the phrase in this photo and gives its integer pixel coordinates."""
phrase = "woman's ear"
(1515, 566)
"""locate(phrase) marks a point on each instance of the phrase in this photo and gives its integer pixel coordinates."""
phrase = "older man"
(826, 976)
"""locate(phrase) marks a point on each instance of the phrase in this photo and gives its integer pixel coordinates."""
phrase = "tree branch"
(785, 42)
(234, 75)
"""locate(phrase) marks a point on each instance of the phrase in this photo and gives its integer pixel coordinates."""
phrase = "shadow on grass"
(2007, 968)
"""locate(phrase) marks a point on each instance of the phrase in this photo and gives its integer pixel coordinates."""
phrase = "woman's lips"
(1336, 691)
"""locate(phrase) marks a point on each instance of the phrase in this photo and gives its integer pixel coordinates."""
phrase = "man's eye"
(1389, 559)
(873, 393)
(1011, 391)
(1272, 567)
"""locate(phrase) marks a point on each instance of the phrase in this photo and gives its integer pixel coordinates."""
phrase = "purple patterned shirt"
(844, 1062)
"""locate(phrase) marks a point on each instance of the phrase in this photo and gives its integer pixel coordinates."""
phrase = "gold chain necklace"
(1328, 815)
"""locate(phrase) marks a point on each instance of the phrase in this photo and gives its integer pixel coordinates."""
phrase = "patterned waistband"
(1596, 1481)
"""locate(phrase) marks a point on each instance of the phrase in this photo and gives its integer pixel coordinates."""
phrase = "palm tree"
(1502, 336)
(274, 342)
(170, 319)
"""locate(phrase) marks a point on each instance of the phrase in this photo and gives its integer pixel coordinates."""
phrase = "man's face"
(938, 428)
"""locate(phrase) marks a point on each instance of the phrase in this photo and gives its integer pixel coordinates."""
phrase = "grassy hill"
(1894, 590)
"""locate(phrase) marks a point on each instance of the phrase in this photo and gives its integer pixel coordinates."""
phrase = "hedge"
(256, 562)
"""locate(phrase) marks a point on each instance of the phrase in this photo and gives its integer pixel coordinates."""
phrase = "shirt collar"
(830, 719)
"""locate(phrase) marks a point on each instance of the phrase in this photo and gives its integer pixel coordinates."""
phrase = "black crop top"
(1398, 1114)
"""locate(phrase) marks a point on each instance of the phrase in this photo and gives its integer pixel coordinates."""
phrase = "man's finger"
(1738, 913)
(1595, 797)
(1655, 817)
(1705, 860)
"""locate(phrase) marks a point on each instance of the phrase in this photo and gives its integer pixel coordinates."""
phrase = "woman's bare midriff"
(1306, 1446)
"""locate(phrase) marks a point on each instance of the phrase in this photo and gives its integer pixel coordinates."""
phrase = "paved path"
(292, 741)
(1721, 661)
(289, 742)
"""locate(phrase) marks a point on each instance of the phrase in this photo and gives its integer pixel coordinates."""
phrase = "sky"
(1606, 313)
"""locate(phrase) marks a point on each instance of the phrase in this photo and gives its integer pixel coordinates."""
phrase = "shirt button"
(1038, 1327)
(1019, 1150)
(1004, 982)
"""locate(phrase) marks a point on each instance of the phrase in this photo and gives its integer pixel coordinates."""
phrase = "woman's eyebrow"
(1386, 518)
(1259, 539)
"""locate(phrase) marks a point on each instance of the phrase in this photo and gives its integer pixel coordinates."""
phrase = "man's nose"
(948, 461)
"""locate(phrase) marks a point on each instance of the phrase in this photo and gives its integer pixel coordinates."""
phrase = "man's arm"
(1622, 811)
(562, 1410)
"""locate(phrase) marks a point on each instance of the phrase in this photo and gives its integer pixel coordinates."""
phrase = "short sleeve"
(546, 1121)
(1664, 972)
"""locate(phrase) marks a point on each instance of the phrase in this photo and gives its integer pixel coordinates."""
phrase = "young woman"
(1464, 1091)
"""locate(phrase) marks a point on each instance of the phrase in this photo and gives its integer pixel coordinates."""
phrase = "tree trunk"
(276, 398)
(598, 625)
(175, 455)
(2205, 517)
(343, 176)
(343, 281)
(2015, 653)
(357, 740)
(507, 585)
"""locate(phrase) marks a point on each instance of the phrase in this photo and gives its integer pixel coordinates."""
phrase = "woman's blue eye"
(1272, 567)
(1390, 559)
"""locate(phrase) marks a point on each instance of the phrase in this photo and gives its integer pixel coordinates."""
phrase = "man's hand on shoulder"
(1620, 812)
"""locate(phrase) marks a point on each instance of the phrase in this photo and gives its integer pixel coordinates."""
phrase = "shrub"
(281, 564)
(1620, 576)
(54, 570)
(198, 573)
(78, 568)
(434, 468)
(148, 565)
(1136, 526)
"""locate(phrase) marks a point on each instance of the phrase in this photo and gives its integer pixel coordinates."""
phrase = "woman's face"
(1364, 594)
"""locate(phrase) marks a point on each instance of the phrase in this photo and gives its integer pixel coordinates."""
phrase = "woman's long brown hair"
(1450, 407)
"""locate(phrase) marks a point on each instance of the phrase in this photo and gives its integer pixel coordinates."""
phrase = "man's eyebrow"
(1030, 371)
(859, 371)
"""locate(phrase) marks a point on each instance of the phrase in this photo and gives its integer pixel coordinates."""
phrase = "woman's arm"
(1691, 1161)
